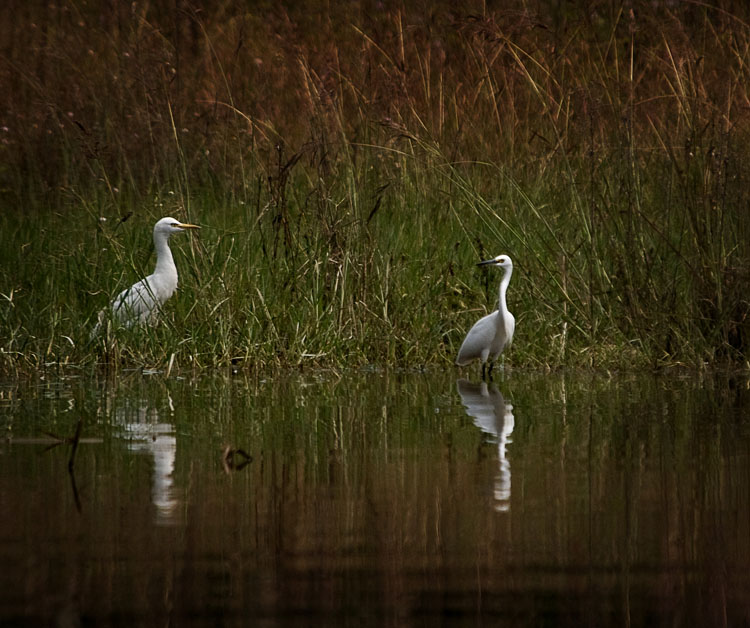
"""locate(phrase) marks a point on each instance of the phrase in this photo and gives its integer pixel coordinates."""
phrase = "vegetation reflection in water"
(381, 497)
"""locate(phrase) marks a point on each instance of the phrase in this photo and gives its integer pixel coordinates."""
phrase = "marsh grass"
(349, 169)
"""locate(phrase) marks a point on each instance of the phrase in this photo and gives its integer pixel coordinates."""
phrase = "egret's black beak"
(487, 261)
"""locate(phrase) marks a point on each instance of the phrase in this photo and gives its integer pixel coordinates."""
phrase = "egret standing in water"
(491, 334)
(142, 301)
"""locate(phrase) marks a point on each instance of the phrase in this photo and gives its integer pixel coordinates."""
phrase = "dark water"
(375, 500)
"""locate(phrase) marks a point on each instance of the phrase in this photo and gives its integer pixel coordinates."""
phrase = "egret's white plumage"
(491, 334)
(141, 302)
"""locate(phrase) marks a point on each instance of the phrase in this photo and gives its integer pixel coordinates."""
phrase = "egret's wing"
(478, 339)
(135, 304)
(504, 328)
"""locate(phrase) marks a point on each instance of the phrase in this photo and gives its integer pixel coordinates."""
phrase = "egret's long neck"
(164, 260)
(502, 304)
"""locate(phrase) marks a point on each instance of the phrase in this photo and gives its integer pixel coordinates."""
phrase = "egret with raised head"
(491, 334)
(142, 301)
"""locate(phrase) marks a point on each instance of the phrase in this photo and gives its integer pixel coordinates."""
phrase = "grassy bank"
(350, 167)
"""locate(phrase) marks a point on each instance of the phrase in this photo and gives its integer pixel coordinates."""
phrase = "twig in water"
(228, 459)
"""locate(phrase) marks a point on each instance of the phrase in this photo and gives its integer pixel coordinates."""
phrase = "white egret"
(491, 334)
(142, 301)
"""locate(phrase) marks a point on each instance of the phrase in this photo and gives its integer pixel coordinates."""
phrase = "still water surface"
(372, 499)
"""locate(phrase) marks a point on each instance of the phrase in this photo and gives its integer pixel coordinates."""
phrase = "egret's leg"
(484, 367)
(492, 366)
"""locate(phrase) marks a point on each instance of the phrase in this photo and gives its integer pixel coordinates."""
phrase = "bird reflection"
(487, 407)
(147, 434)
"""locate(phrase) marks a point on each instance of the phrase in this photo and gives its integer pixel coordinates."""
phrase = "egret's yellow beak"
(183, 225)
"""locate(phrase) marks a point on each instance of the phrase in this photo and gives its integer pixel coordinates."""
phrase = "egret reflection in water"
(486, 406)
(147, 433)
